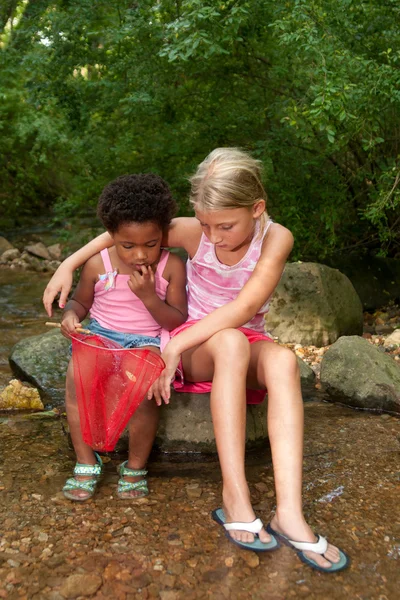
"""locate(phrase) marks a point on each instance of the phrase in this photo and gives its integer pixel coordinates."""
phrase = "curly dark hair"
(136, 198)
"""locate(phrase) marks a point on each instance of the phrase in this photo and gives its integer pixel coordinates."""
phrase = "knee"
(231, 343)
(287, 364)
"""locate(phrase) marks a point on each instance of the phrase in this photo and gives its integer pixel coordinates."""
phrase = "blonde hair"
(228, 178)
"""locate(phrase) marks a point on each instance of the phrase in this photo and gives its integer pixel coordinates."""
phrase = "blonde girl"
(236, 258)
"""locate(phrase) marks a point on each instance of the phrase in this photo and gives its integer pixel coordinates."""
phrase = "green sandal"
(88, 485)
(124, 487)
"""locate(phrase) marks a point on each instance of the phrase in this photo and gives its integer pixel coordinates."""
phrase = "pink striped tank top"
(120, 309)
(212, 284)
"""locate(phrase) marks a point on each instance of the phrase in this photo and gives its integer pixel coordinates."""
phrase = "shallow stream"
(166, 546)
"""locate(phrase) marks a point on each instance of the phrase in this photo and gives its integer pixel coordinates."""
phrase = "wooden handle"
(78, 329)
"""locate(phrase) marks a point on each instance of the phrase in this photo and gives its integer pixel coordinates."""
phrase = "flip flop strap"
(253, 527)
(319, 547)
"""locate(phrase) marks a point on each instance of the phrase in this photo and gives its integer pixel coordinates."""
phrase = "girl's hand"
(60, 282)
(70, 323)
(143, 284)
(154, 390)
(171, 359)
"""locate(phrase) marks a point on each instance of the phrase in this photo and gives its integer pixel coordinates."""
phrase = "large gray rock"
(314, 305)
(185, 424)
(355, 373)
(43, 360)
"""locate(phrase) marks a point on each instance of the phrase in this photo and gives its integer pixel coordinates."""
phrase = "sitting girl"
(140, 297)
(236, 258)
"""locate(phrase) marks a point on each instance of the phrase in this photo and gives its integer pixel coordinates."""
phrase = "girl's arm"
(184, 232)
(79, 305)
(260, 286)
(62, 278)
(173, 311)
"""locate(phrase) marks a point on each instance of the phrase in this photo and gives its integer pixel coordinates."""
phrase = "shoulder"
(185, 232)
(175, 267)
(277, 240)
(93, 266)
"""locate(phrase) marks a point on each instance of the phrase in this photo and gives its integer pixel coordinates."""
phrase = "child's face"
(138, 244)
(229, 229)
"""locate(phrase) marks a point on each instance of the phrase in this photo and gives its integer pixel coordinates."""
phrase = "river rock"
(55, 251)
(33, 263)
(4, 245)
(314, 305)
(81, 584)
(356, 373)
(10, 255)
(43, 360)
(185, 424)
(38, 249)
(16, 395)
(393, 339)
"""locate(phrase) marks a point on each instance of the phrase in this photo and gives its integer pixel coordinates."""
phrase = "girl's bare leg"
(276, 368)
(224, 359)
(84, 453)
(142, 432)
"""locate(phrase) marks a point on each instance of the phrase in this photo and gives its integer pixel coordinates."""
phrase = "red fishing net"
(110, 383)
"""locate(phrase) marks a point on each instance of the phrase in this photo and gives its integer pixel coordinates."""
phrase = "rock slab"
(185, 424)
(314, 305)
(42, 360)
(357, 374)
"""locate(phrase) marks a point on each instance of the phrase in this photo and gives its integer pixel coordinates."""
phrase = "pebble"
(250, 558)
(193, 490)
(80, 585)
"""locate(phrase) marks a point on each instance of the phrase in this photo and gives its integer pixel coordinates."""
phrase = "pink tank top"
(212, 284)
(118, 308)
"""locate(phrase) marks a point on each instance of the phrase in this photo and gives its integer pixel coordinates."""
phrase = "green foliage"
(91, 90)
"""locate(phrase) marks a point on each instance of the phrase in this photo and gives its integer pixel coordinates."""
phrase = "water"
(21, 311)
(166, 546)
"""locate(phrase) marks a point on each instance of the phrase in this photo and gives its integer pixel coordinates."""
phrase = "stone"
(54, 251)
(10, 254)
(4, 245)
(34, 263)
(314, 305)
(393, 339)
(85, 584)
(193, 491)
(43, 360)
(38, 249)
(356, 373)
(185, 424)
(16, 395)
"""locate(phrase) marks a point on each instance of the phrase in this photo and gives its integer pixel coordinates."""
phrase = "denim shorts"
(126, 340)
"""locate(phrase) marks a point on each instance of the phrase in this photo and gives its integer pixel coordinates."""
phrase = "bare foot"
(242, 512)
(297, 529)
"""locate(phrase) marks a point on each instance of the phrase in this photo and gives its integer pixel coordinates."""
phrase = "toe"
(332, 554)
(242, 536)
(319, 559)
(265, 538)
